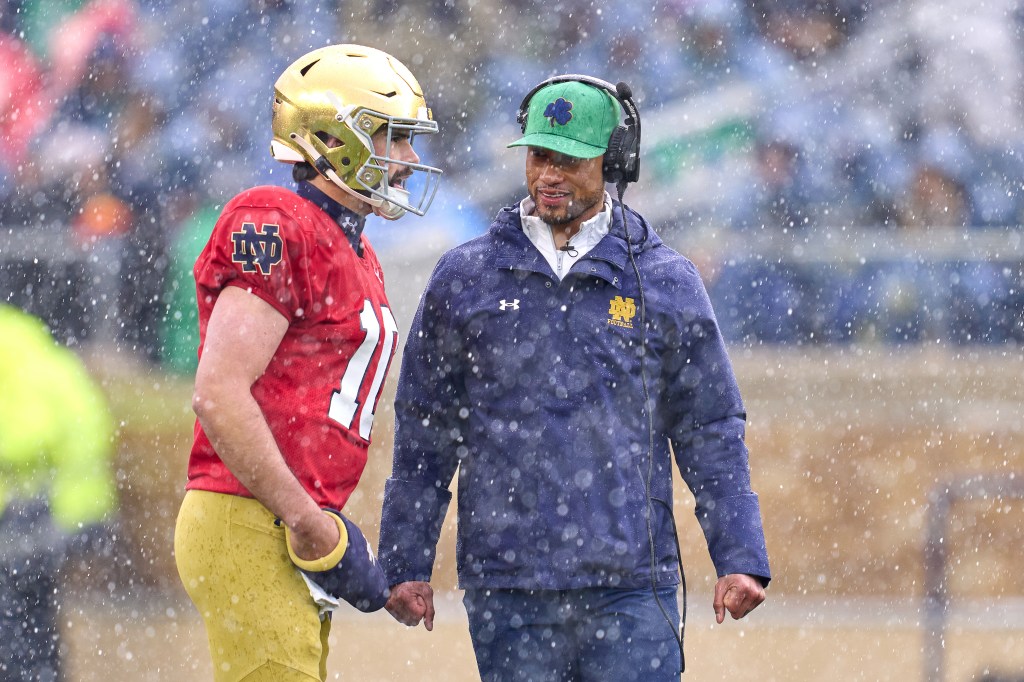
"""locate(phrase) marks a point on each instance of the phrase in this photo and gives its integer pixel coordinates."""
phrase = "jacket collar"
(607, 260)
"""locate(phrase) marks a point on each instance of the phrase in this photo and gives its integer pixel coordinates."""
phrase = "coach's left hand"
(739, 594)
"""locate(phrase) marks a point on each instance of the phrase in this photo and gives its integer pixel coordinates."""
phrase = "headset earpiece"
(621, 162)
(622, 158)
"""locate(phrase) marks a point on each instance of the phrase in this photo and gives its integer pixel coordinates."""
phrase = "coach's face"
(567, 190)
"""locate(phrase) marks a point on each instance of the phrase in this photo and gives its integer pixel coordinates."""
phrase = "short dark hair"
(303, 171)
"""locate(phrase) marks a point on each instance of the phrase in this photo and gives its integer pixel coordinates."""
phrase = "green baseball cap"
(571, 118)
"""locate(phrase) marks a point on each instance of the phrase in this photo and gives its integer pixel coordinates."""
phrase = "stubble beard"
(576, 207)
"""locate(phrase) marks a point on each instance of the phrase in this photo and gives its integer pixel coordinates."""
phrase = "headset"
(622, 159)
(621, 167)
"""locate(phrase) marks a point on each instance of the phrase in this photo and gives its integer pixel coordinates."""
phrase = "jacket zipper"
(558, 255)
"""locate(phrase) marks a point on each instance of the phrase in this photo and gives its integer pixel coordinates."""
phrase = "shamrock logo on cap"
(560, 110)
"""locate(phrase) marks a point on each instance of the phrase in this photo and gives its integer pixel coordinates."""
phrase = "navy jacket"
(532, 389)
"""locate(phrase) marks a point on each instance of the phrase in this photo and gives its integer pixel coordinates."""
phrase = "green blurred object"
(180, 334)
(39, 19)
(56, 430)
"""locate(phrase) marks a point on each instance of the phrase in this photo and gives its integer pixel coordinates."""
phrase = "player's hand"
(349, 570)
(314, 537)
(739, 594)
(411, 602)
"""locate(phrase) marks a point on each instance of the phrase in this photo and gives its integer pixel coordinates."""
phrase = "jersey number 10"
(345, 402)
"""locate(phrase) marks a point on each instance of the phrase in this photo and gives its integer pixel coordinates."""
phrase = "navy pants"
(30, 561)
(612, 635)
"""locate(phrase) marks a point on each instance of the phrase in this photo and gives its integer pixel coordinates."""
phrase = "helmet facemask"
(391, 199)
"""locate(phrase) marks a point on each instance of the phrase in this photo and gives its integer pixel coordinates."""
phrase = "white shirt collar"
(590, 233)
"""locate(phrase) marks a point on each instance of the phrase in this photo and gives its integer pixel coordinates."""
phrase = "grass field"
(160, 640)
(846, 446)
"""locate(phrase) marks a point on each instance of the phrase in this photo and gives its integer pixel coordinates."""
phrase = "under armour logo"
(257, 249)
(513, 304)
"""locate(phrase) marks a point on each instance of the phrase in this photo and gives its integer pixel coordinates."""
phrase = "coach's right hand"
(411, 602)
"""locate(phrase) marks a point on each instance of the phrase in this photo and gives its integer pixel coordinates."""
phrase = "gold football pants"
(261, 621)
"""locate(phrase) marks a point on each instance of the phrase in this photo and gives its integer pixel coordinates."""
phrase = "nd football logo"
(622, 311)
(257, 249)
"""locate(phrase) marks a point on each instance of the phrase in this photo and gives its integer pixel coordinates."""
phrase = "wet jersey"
(320, 390)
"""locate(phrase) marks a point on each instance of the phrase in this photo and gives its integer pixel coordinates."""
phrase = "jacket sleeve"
(427, 437)
(705, 420)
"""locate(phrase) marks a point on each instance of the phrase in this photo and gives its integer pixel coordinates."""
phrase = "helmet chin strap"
(389, 210)
(381, 207)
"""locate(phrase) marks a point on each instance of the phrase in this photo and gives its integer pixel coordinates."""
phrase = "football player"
(296, 337)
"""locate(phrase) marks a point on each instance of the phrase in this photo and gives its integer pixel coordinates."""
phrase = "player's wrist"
(328, 560)
(350, 571)
(304, 518)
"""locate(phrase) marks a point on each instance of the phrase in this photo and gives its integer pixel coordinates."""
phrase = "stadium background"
(846, 175)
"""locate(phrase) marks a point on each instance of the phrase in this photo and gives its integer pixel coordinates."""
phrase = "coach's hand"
(739, 593)
(411, 602)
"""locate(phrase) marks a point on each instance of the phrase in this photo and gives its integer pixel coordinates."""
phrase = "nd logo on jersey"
(257, 249)
(622, 311)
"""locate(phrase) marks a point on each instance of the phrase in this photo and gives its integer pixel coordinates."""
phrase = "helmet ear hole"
(330, 141)
(302, 171)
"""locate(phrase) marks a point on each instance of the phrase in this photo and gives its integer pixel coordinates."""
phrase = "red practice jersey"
(320, 390)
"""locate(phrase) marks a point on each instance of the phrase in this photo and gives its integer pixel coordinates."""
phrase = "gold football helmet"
(349, 92)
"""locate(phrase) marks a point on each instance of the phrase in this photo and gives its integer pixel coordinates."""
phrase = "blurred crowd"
(125, 123)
